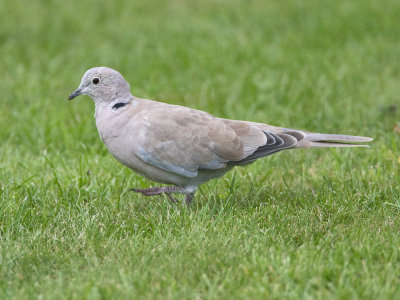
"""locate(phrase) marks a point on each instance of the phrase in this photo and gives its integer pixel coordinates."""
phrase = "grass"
(299, 224)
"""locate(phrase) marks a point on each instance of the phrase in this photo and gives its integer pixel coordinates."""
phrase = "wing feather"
(183, 141)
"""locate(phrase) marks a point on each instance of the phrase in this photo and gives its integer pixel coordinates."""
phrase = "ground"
(318, 223)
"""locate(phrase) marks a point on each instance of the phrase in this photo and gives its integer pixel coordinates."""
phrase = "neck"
(118, 105)
(114, 105)
(120, 102)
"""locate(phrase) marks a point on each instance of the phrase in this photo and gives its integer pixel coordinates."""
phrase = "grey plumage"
(182, 146)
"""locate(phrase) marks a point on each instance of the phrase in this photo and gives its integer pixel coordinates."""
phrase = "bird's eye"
(95, 80)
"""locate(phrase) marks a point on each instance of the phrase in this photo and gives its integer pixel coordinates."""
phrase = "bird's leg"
(172, 199)
(168, 190)
(189, 198)
(159, 190)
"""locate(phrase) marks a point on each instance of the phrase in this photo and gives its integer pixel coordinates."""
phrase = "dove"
(180, 146)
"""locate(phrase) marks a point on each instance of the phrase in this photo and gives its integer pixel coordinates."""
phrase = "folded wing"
(183, 141)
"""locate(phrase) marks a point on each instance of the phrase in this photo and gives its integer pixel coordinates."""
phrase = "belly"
(125, 154)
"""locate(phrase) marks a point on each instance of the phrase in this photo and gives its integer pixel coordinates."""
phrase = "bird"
(180, 146)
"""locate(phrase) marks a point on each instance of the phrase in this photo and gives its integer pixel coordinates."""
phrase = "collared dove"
(182, 146)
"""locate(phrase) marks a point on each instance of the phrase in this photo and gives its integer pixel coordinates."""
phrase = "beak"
(75, 93)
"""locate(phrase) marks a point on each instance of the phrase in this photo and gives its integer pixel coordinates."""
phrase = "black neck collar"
(118, 105)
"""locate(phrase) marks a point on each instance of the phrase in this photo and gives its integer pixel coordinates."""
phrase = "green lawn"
(320, 223)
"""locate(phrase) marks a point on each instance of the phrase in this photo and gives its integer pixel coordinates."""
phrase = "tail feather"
(321, 137)
(337, 145)
(285, 138)
(332, 140)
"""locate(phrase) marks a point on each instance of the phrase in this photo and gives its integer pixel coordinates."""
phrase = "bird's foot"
(189, 198)
(164, 190)
(159, 190)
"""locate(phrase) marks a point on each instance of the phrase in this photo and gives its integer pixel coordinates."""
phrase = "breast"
(122, 139)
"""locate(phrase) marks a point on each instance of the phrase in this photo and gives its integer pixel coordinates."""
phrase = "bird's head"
(103, 85)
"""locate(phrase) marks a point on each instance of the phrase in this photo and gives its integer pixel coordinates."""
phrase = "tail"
(331, 140)
(288, 138)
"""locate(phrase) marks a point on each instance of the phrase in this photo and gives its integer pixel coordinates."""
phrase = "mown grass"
(299, 224)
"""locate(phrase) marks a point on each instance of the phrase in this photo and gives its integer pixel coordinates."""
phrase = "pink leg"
(166, 190)
(189, 198)
(159, 190)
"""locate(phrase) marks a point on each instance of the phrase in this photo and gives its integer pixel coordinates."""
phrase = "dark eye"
(95, 80)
